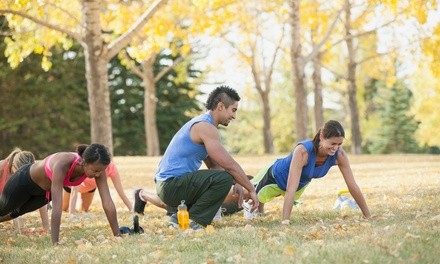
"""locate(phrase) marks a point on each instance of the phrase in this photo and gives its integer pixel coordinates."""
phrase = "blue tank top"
(280, 168)
(182, 155)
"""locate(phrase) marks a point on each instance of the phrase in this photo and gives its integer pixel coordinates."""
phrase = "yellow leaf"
(210, 261)
(46, 64)
(209, 229)
(290, 250)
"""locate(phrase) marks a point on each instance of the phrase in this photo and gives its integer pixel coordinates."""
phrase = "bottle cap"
(182, 205)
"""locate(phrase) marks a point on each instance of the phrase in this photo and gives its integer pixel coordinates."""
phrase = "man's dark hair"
(224, 94)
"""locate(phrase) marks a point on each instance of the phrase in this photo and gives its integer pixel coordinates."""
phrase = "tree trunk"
(96, 59)
(150, 104)
(356, 145)
(267, 130)
(317, 81)
(264, 95)
(301, 109)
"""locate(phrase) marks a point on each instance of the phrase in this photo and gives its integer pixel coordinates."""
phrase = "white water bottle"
(247, 206)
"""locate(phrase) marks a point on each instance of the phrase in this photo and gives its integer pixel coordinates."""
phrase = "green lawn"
(402, 192)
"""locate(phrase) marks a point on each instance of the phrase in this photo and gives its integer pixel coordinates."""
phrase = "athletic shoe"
(195, 226)
(137, 229)
(139, 205)
(218, 216)
(124, 230)
(173, 222)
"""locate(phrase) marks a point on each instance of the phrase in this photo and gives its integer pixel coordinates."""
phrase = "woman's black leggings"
(21, 195)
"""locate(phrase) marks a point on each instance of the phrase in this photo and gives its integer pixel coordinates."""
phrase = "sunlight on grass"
(402, 192)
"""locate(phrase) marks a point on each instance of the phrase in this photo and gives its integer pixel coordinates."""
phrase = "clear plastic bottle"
(345, 201)
(183, 216)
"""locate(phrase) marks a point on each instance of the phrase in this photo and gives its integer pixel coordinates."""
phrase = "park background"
(128, 74)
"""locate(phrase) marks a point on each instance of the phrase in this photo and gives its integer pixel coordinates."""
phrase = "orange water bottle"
(183, 216)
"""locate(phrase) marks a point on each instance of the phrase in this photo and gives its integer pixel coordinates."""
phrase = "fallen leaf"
(435, 218)
(411, 235)
(209, 229)
(290, 250)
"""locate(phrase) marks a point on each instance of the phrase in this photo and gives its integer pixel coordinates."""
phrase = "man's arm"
(210, 164)
(207, 134)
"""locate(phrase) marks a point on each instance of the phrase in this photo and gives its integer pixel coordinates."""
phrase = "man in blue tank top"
(178, 176)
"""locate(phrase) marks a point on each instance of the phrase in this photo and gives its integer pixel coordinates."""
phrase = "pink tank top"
(4, 176)
(67, 182)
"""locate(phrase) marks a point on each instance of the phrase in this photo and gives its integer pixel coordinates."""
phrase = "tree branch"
(272, 63)
(66, 12)
(43, 23)
(337, 74)
(373, 57)
(361, 33)
(131, 65)
(327, 35)
(118, 44)
(167, 69)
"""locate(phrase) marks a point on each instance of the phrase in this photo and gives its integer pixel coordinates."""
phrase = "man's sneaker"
(173, 222)
(195, 226)
(218, 216)
(139, 205)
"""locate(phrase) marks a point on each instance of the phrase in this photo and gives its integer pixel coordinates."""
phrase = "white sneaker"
(218, 216)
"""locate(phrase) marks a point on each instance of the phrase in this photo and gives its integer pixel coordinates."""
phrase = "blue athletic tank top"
(280, 168)
(182, 155)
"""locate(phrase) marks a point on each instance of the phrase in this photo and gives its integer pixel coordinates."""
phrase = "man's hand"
(238, 191)
(255, 202)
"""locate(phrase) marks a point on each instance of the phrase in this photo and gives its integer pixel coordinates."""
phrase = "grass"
(402, 192)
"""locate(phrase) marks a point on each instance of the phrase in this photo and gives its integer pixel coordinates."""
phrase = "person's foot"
(173, 222)
(218, 216)
(195, 226)
(137, 229)
(139, 205)
(124, 230)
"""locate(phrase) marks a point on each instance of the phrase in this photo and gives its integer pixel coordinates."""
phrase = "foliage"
(427, 91)
(177, 98)
(397, 126)
(176, 104)
(126, 96)
(40, 111)
(51, 113)
(431, 47)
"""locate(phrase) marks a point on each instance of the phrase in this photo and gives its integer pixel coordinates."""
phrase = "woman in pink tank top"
(87, 191)
(15, 160)
(34, 185)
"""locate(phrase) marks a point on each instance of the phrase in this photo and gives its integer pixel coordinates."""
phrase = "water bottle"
(247, 206)
(183, 216)
(344, 201)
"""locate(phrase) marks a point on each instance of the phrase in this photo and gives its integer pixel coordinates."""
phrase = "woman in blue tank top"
(310, 159)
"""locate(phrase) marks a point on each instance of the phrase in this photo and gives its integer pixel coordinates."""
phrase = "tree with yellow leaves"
(179, 22)
(257, 35)
(39, 25)
(299, 58)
